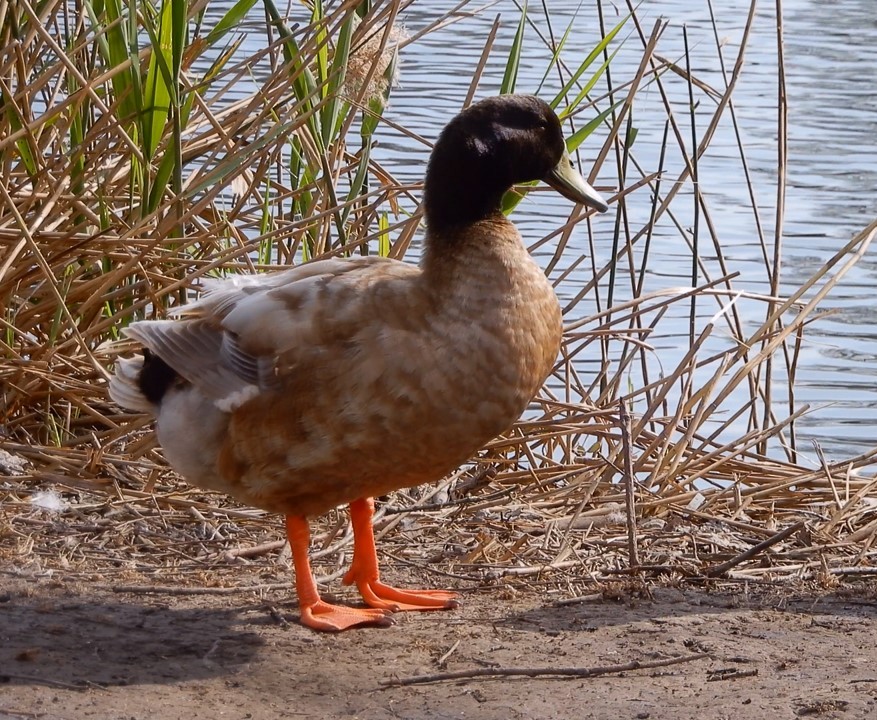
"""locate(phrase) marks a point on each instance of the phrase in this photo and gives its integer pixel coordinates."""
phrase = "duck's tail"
(125, 386)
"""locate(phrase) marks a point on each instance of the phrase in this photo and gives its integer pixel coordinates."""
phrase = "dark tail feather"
(140, 382)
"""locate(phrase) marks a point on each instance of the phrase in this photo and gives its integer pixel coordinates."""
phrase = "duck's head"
(491, 146)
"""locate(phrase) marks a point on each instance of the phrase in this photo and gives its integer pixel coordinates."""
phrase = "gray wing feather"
(200, 353)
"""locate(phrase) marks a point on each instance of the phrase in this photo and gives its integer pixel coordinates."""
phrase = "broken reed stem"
(721, 569)
(624, 422)
(591, 597)
(557, 673)
(254, 550)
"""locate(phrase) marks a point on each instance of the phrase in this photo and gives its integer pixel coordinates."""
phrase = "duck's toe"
(377, 595)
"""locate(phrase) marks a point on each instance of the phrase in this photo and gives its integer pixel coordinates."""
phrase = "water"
(830, 50)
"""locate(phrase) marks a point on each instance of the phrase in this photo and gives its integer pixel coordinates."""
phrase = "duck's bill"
(568, 182)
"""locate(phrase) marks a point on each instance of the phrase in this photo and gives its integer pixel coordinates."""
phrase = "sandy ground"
(70, 651)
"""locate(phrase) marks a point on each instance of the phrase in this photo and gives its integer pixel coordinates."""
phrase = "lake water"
(830, 51)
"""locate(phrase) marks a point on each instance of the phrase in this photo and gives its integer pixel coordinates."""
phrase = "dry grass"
(708, 452)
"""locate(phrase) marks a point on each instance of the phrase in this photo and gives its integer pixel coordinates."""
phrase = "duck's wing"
(247, 333)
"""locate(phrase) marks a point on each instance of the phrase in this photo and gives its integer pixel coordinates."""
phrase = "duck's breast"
(402, 382)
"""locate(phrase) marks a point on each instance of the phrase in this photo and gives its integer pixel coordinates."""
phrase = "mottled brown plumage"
(343, 379)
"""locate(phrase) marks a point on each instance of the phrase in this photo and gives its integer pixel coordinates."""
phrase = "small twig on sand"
(730, 674)
(253, 550)
(174, 590)
(540, 672)
(48, 682)
(624, 421)
(721, 569)
(443, 660)
(277, 616)
(579, 599)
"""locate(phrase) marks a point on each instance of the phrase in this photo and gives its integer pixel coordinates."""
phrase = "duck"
(343, 379)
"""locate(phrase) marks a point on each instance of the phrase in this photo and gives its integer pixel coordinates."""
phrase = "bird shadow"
(82, 640)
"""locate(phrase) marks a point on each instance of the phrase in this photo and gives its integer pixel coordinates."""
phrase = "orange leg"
(315, 613)
(364, 570)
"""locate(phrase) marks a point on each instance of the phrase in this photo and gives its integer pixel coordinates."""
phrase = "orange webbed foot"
(377, 595)
(364, 571)
(335, 618)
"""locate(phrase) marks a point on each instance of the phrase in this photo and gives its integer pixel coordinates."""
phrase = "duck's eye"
(543, 125)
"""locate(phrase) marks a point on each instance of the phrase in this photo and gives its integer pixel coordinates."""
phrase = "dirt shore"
(70, 651)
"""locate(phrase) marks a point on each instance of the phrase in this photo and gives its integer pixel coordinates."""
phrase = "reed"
(141, 150)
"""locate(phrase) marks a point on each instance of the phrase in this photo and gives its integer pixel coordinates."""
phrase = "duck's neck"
(453, 206)
(490, 246)
(461, 189)
(462, 215)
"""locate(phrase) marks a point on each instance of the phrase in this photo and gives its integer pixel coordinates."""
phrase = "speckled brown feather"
(403, 375)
